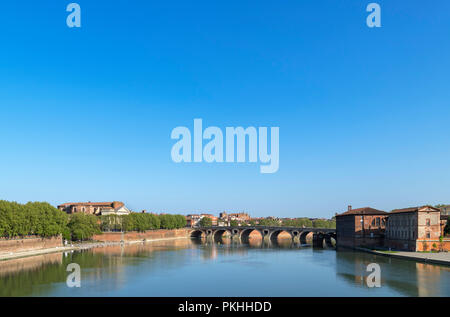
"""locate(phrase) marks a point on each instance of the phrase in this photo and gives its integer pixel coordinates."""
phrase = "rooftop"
(415, 209)
(363, 211)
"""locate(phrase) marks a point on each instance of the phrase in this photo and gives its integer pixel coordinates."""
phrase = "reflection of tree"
(25, 277)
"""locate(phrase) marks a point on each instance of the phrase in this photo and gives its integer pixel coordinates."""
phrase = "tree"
(180, 221)
(206, 222)
(269, 222)
(234, 223)
(33, 218)
(83, 226)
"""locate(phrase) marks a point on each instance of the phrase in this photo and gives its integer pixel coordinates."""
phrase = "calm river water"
(195, 268)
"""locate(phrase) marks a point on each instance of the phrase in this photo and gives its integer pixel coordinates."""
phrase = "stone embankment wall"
(30, 243)
(141, 236)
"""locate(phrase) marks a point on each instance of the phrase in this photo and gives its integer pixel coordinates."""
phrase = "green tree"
(206, 222)
(83, 226)
(269, 222)
(180, 221)
(234, 223)
(33, 218)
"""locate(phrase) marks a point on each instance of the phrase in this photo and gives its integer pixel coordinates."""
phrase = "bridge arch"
(218, 234)
(273, 235)
(245, 233)
(197, 234)
(304, 236)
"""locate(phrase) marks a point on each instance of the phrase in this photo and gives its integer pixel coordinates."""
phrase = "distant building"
(212, 217)
(361, 227)
(96, 208)
(193, 220)
(225, 218)
(414, 229)
(445, 211)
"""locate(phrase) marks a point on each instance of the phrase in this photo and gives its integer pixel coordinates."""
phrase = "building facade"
(414, 229)
(409, 229)
(362, 227)
(240, 217)
(193, 220)
(96, 208)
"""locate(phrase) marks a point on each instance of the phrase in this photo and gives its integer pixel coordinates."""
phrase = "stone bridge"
(242, 234)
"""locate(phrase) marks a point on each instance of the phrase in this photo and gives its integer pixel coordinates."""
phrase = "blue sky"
(86, 114)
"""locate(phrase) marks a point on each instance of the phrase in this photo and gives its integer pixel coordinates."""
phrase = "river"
(191, 268)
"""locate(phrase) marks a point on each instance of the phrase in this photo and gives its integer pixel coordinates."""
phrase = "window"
(378, 222)
(428, 222)
(428, 235)
(373, 222)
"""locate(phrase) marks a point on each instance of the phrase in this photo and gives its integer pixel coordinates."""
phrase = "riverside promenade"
(440, 258)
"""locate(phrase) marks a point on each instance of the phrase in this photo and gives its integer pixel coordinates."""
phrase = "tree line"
(44, 220)
(142, 222)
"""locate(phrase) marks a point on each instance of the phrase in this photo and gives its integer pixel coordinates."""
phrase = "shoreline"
(77, 247)
(441, 258)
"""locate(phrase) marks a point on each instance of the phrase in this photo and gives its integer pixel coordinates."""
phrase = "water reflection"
(409, 278)
(270, 268)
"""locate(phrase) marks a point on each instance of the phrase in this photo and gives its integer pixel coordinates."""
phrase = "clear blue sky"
(86, 114)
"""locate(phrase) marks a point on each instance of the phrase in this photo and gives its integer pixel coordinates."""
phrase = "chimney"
(349, 207)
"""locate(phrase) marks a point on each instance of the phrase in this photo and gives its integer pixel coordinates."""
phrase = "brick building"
(240, 217)
(415, 229)
(193, 220)
(96, 208)
(361, 227)
(410, 229)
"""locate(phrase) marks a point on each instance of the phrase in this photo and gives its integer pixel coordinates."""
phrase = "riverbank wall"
(134, 236)
(440, 258)
(32, 246)
(30, 243)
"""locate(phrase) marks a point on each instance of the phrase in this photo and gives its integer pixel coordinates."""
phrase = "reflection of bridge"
(298, 235)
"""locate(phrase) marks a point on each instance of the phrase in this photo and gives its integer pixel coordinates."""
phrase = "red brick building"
(361, 227)
(193, 220)
(96, 208)
(416, 229)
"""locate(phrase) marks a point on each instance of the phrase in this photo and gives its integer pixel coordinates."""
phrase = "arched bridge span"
(320, 236)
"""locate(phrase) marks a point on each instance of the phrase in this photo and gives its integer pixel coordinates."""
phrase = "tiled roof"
(111, 204)
(412, 209)
(88, 203)
(363, 211)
